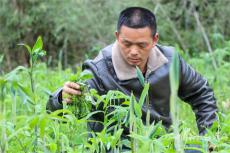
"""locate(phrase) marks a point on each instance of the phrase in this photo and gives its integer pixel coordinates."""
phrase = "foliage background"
(76, 29)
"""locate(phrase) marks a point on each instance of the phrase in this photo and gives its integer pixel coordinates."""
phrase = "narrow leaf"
(38, 44)
(140, 76)
(144, 94)
(174, 72)
(26, 46)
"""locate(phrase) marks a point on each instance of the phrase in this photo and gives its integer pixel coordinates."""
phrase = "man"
(136, 45)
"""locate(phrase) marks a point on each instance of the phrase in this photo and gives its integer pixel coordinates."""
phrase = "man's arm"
(195, 90)
(55, 100)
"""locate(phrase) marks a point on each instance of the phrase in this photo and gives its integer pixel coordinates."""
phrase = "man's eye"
(127, 44)
(142, 45)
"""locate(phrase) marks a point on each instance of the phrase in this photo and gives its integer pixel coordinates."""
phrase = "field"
(26, 126)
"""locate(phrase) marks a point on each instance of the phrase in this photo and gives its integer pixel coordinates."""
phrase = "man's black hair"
(137, 17)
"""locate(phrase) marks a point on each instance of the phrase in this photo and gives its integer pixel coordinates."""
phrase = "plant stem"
(31, 78)
(174, 84)
(14, 107)
(36, 138)
(3, 143)
(20, 143)
(148, 111)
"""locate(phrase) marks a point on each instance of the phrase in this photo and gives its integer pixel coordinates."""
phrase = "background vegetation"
(74, 30)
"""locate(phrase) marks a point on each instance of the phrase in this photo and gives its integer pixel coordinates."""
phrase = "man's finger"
(71, 91)
(67, 100)
(73, 85)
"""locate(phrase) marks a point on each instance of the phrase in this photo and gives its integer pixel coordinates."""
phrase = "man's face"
(136, 44)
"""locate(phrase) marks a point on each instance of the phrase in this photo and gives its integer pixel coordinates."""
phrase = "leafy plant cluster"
(81, 104)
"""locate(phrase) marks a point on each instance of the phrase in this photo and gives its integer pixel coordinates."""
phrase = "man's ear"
(117, 35)
(155, 39)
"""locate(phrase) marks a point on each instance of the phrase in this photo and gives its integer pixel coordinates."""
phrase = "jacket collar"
(126, 71)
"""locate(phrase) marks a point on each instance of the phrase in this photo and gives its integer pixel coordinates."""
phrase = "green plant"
(24, 130)
(34, 53)
(174, 109)
(81, 104)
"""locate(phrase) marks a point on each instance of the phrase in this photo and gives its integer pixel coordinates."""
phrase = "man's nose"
(134, 50)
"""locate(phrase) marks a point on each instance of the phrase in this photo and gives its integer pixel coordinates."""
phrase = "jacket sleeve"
(54, 101)
(194, 89)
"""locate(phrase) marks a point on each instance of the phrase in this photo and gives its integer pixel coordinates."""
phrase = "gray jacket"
(112, 73)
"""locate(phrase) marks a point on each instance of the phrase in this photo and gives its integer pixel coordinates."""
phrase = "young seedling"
(36, 52)
(143, 83)
(174, 84)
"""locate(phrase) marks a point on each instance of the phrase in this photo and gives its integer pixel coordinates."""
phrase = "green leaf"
(11, 76)
(138, 137)
(34, 122)
(153, 129)
(42, 125)
(53, 147)
(92, 113)
(144, 94)
(132, 101)
(15, 133)
(140, 76)
(116, 138)
(76, 77)
(25, 90)
(58, 112)
(174, 72)
(42, 53)
(38, 44)
(86, 75)
(3, 81)
(126, 120)
(27, 47)
(137, 109)
(39, 52)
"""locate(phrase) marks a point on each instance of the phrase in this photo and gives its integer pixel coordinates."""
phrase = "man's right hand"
(70, 89)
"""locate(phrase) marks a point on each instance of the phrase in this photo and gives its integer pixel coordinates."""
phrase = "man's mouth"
(134, 60)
